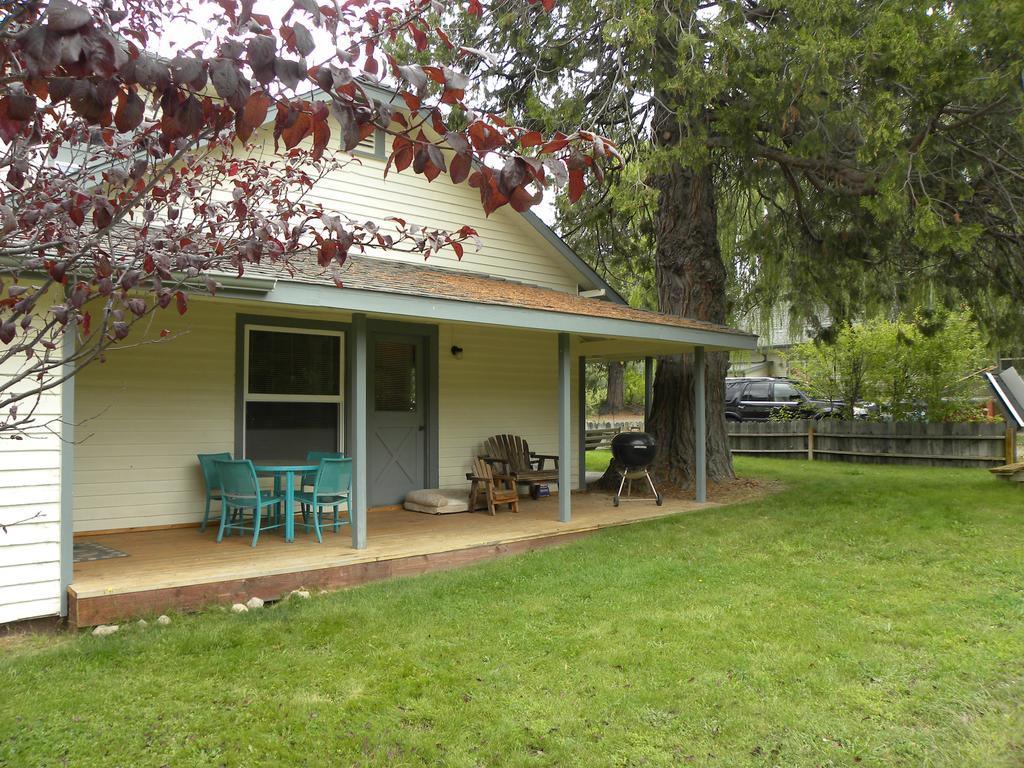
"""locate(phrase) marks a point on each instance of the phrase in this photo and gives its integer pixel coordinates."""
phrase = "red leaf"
(452, 96)
(253, 115)
(20, 106)
(321, 136)
(181, 301)
(457, 247)
(436, 156)
(531, 139)
(418, 36)
(130, 111)
(297, 131)
(431, 171)
(412, 101)
(522, 200)
(402, 153)
(576, 184)
(459, 168)
(484, 137)
(560, 141)
(327, 253)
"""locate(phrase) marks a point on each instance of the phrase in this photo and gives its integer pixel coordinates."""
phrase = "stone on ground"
(105, 629)
(239, 608)
(254, 602)
(163, 620)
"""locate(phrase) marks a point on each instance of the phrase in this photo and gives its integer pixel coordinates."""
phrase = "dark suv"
(758, 398)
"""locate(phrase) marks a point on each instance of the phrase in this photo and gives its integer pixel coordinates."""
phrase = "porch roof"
(398, 288)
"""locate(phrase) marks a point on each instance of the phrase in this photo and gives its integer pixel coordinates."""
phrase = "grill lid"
(634, 450)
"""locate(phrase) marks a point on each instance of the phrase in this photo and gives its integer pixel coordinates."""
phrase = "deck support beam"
(700, 425)
(564, 430)
(581, 430)
(648, 391)
(359, 448)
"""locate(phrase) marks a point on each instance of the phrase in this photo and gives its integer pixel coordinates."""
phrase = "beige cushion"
(429, 497)
(435, 501)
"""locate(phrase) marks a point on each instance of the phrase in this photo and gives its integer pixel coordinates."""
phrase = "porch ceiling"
(400, 289)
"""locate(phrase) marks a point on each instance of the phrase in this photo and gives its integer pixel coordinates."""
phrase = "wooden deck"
(183, 569)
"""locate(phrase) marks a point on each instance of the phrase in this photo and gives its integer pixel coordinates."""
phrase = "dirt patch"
(733, 491)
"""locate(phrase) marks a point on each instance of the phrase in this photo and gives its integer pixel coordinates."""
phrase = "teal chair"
(313, 457)
(241, 494)
(332, 487)
(211, 480)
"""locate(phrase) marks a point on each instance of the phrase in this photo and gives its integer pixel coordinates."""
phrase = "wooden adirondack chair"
(498, 489)
(525, 467)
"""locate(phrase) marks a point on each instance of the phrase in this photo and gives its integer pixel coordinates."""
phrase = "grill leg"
(657, 496)
(618, 493)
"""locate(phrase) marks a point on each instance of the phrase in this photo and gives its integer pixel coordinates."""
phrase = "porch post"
(700, 425)
(564, 431)
(581, 414)
(67, 472)
(359, 440)
(648, 390)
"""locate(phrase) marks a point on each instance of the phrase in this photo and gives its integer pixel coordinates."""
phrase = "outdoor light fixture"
(456, 351)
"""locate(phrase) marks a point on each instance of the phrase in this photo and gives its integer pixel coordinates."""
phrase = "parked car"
(756, 398)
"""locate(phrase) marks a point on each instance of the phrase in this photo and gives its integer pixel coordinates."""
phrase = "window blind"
(394, 376)
(294, 364)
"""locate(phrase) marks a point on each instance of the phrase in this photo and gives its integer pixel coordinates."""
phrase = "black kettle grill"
(634, 453)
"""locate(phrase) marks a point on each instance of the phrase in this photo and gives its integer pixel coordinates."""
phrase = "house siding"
(30, 496)
(511, 247)
(148, 410)
(506, 382)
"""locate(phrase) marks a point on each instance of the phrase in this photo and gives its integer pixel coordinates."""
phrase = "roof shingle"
(369, 273)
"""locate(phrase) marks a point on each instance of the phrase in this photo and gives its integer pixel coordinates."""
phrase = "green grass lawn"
(597, 461)
(864, 616)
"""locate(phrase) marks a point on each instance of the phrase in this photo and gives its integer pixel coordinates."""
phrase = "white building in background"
(775, 338)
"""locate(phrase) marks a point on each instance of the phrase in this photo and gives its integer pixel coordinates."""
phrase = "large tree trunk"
(615, 398)
(691, 281)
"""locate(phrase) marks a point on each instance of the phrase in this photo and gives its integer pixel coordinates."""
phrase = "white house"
(408, 368)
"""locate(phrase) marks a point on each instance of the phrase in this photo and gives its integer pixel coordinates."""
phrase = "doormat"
(88, 551)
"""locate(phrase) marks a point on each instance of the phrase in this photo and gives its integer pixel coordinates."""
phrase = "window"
(294, 393)
(733, 390)
(394, 376)
(787, 393)
(759, 390)
(293, 363)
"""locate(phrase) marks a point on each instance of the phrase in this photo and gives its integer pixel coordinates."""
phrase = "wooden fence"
(937, 445)
(600, 433)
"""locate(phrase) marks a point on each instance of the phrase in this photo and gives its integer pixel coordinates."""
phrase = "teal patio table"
(286, 473)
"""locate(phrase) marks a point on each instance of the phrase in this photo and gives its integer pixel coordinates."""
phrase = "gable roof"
(577, 264)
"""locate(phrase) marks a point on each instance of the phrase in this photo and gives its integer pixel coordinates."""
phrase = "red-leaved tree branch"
(131, 177)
